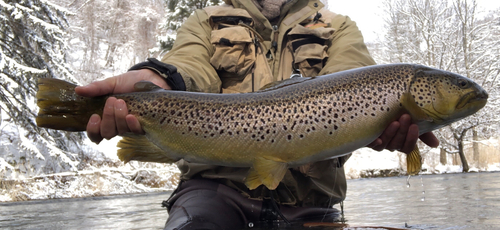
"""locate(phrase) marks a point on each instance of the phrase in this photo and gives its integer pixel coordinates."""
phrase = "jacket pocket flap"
(232, 35)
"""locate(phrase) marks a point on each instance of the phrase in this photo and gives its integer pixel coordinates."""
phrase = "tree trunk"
(442, 157)
(475, 147)
(465, 165)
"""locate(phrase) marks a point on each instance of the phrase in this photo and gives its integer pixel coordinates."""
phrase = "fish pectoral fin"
(413, 162)
(139, 148)
(267, 172)
(416, 113)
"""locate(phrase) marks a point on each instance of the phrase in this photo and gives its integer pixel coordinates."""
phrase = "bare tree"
(449, 35)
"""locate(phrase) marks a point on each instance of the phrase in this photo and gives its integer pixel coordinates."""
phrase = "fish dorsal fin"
(284, 83)
(413, 162)
(267, 172)
(416, 113)
(144, 86)
(139, 148)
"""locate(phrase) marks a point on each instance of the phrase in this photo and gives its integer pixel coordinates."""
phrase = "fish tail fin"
(139, 148)
(61, 108)
(413, 162)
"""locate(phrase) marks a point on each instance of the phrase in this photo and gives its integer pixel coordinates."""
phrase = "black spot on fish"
(162, 120)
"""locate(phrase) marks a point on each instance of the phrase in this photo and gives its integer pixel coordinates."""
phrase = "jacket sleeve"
(191, 55)
(347, 49)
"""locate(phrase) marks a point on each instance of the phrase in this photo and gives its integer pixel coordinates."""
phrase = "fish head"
(445, 96)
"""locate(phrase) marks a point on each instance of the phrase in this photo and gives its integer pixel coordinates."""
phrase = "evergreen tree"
(32, 46)
(177, 12)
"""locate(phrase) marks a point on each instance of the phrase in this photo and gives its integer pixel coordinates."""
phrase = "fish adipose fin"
(284, 83)
(146, 86)
(139, 148)
(413, 162)
(267, 172)
(61, 108)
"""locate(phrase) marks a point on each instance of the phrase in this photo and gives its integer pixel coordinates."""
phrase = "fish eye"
(463, 83)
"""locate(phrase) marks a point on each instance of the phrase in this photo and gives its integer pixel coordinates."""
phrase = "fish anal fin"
(416, 113)
(311, 171)
(413, 162)
(139, 148)
(267, 172)
(252, 181)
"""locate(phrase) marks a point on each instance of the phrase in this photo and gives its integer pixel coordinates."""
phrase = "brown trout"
(287, 124)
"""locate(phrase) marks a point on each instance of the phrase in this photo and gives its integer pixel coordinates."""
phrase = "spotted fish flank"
(287, 124)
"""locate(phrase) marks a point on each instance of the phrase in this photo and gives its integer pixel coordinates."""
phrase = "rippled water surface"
(453, 201)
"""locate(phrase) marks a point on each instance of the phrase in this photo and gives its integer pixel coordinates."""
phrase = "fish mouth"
(473, 98)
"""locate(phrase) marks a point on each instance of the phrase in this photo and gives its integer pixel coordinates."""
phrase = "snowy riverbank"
(141, 178)
(101, 173)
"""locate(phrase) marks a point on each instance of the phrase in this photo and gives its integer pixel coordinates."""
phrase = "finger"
(134, 124)
(430, 139)
(387, 136)
(108, 125)
(398, 140)
(375, 143)
(97, 88)
(94, 129)
(120, 113)
(411, 139)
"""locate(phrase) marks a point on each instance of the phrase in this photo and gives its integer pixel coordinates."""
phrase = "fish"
(285, 124)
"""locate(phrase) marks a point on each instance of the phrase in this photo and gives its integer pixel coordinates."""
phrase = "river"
(449, 201)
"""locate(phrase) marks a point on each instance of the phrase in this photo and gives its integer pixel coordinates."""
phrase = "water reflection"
(114, 212)
(458, 201)
(454, 201)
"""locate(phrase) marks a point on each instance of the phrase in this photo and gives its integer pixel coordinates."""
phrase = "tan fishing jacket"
(234, 49)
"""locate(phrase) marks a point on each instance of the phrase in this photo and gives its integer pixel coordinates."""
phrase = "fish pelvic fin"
(413, 162)
(61, 108)
(139, 148)
(267, 172)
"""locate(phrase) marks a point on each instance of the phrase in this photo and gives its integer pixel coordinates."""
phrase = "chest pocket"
(234, 54)
(309, 48)
(239, 57)
(234, 51)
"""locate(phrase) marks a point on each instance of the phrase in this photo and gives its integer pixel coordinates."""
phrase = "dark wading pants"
(204, 204)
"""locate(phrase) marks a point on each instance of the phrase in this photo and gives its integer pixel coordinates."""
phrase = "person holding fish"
(241, 47)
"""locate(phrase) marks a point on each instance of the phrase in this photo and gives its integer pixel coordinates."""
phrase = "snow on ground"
(98, 182)
(100, 172)
(366, 159)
